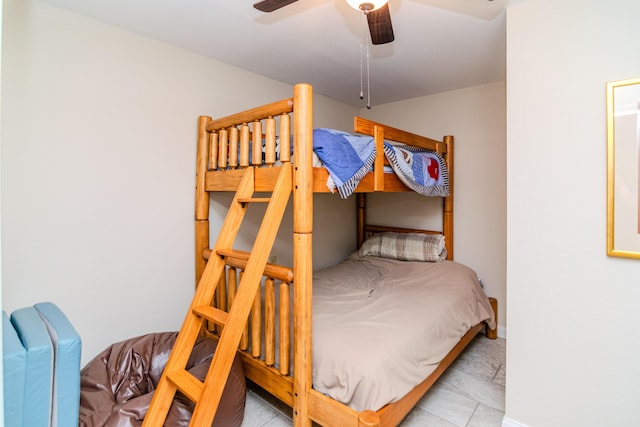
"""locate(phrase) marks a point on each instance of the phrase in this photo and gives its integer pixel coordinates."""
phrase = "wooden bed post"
(447, 217)
(493, 333)
(202, 196)
(361, 219)
(302, 251)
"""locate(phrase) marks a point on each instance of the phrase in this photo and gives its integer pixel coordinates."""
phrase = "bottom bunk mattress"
(381, 326)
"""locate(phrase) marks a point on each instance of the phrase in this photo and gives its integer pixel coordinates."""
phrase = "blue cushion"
(14, 357)
(38, 384)
(67, 347)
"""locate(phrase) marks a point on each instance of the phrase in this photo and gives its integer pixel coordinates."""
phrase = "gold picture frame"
(623, 168)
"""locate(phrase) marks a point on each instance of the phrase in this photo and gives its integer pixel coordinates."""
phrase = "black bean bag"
(116, 387)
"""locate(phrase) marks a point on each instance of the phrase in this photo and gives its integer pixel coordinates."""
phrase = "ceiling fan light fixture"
(367, 5)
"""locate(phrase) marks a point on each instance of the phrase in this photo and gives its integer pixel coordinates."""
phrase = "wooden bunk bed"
(258, 139)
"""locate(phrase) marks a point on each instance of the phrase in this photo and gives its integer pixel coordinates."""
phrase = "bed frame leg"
(368, 419)
(493, 333)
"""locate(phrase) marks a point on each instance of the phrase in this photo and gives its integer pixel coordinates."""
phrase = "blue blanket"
(348, 158)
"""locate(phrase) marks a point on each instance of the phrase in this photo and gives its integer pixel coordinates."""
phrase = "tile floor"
(469, 394)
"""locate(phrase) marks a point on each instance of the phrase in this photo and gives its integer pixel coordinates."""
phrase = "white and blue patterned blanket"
(348, 158)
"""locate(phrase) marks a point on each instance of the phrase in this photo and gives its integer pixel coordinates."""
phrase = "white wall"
(98, 141)
(476, 118)
(572, 341)
(1, 361)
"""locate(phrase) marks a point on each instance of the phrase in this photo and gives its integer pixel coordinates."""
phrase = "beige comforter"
(381, 326)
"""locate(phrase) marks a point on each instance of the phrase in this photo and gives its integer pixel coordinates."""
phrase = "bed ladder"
(206, 395)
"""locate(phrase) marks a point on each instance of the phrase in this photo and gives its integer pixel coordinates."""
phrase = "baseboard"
(502, 331)
(507, 422)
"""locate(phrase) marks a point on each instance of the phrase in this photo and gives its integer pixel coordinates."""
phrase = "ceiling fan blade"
(271, 5)
(380, 25)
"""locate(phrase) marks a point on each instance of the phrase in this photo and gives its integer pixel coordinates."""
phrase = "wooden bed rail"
(367, 127)
(272, 270)
(248, 116)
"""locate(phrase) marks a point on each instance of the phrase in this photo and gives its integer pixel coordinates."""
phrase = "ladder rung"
(254, 200)
(187, 383)
(212, 314)
(233, 253)
(239, 259)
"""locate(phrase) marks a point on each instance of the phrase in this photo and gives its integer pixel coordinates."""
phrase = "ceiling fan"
(379, 18)
(376, 11)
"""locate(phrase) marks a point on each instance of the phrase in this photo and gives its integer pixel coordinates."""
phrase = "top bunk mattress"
(381, 326)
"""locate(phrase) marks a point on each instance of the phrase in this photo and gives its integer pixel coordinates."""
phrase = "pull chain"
(365, 58)
(361, 68)
(368, 76)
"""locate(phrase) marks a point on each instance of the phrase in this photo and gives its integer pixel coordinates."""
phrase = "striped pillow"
(405, 246)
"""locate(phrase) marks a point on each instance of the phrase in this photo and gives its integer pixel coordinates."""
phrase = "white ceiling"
(318, 41)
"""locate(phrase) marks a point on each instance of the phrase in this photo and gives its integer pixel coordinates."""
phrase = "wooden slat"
(269, 322)
(256, 143)
(232, 287)
(187, 383)
(270, 141)
(233, 147)
(244, 340)
(223, 147)
(285, 328)
(244, 145)
(219, 301)
(256, 325)
(212, 314)
(285, 138)
(221, 293)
